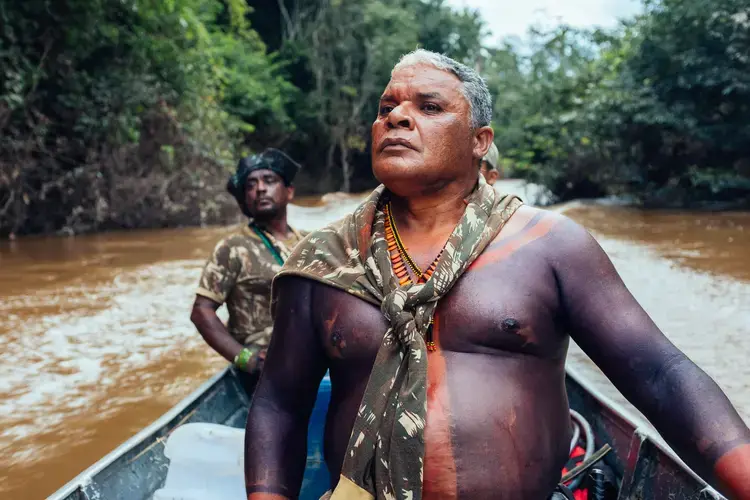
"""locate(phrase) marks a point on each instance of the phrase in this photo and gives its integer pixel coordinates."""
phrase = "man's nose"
(400, 118)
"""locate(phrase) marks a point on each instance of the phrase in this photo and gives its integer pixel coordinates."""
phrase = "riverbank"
(225, 214)
(224, 210)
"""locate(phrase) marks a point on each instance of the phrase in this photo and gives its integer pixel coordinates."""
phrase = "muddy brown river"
(97, 341)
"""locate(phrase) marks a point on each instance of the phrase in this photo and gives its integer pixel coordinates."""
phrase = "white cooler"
(205, 462)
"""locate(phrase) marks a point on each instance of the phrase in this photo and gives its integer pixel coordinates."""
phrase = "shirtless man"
(496, 424)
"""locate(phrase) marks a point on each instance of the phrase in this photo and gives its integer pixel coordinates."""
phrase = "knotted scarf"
(384, 459)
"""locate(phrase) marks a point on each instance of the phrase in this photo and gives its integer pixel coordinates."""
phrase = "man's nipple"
(511, 325)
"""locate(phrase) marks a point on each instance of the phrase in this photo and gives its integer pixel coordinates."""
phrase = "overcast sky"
(513, 17)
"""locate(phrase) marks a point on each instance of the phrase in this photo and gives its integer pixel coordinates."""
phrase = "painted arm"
(276, 435)
(684, 404)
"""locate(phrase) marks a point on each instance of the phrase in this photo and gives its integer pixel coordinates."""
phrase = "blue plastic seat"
(317, 479)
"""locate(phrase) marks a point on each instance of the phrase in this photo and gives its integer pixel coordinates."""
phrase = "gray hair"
(473, 86)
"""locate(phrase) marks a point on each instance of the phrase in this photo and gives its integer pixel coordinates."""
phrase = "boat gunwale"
(638, 429)
(87, 475)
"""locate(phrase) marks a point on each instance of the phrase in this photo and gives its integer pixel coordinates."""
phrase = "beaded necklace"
(267, 242)
(398, 255)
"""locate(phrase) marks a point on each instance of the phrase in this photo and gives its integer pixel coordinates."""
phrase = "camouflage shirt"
(239, 273)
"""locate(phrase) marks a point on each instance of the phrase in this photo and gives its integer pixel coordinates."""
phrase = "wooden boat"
(644, 469)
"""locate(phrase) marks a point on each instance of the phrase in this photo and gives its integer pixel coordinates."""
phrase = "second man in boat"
(240, 269)
(489, 165)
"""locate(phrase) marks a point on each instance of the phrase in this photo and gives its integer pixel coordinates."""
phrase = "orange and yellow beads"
(400, 259)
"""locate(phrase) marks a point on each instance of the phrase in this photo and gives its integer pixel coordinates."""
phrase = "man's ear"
(492, 177)
(483, 138)
(290, 193)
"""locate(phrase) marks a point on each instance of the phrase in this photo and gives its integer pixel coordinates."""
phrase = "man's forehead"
(423, 79)
(262, 172)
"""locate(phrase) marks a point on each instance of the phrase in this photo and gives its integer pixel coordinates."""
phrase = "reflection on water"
(97, 341)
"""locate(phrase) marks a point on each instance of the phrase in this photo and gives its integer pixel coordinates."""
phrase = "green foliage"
(352, 48)
(128, 113)
(114, 113)
(657, 109)
(457, 34)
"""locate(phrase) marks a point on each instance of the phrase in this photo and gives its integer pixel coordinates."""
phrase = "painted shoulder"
(560, 233)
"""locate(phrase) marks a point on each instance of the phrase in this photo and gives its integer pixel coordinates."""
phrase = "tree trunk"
(345, 166)
(328, 175)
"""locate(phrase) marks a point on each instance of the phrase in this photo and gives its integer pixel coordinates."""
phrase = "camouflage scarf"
(385, 455)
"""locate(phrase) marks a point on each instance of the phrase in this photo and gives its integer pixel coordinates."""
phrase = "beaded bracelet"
(243, 358)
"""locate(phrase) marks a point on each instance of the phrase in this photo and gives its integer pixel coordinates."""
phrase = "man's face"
(422, 138)
(490, 175)
(265, 194)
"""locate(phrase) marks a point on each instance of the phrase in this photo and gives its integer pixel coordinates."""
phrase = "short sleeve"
(219, 273)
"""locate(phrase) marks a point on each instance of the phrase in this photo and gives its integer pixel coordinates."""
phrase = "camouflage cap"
(492, 157)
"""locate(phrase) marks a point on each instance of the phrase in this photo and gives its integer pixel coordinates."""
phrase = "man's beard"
(266, 213)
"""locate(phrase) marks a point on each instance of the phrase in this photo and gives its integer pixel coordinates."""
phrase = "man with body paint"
(443, 311)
